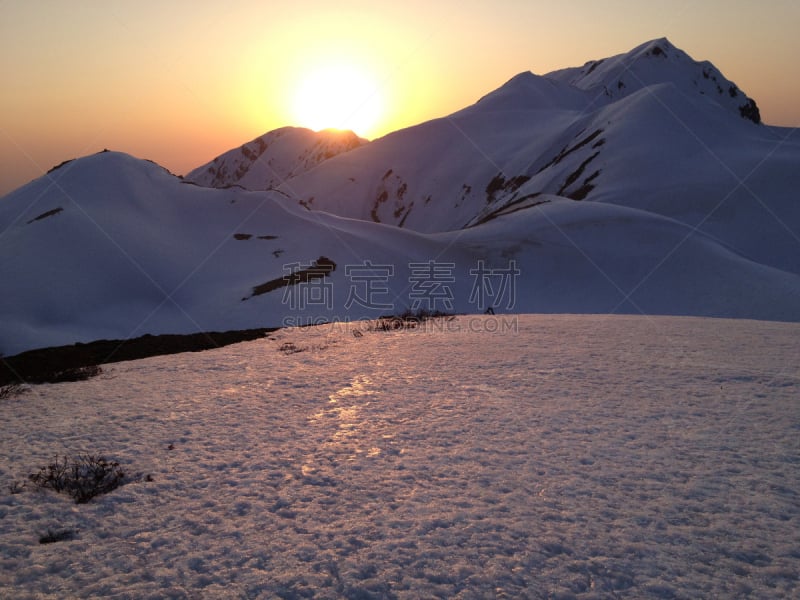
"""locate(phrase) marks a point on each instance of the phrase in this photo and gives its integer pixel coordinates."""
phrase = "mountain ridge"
(527, 138)
(135, 250)
(624, 73)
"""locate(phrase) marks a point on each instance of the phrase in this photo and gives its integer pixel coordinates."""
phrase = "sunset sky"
(180, 82)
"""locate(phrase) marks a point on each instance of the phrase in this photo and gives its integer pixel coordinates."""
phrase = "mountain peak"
(600, 82)
(656, 47)
(655, 62)
(270, 159)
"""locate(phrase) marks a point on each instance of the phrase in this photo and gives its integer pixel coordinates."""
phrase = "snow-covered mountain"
(269, 160)
(110, 246)
(688, 209)
(650, 129)
(653, 63)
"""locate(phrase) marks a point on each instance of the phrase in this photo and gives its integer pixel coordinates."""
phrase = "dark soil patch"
(319, 269)
(59, 165)
(583, 191)
(750, 111)
(48, 365)
(60, 535)
(409, 319)
(567, 151)
(573, 177)
(44, 215)
(500, 184)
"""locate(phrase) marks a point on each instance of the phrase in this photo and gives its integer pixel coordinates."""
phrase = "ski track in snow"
(577, 457)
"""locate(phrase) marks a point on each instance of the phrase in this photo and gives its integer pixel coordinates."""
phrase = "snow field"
(576, 457)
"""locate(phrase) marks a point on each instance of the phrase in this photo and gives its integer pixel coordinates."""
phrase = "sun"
(337, 96)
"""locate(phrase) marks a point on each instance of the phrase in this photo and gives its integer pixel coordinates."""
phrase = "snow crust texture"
(537, 457)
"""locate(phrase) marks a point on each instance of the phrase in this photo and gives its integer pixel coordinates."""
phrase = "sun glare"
(337, 97)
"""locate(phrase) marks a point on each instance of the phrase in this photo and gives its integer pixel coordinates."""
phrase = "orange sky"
(180, 82)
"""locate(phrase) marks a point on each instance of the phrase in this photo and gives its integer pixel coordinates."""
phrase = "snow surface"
(481, 457)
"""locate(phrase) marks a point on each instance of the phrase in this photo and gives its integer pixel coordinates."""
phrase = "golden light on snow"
(338, 96)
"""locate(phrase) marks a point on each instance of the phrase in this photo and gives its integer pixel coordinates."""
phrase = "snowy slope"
(592, 257)
(111, 247)
(269, 160)
(574, 457)
(650, 129)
